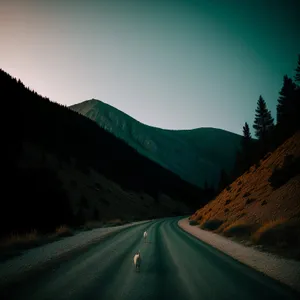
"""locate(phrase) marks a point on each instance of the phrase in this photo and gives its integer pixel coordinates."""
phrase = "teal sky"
(175, 64)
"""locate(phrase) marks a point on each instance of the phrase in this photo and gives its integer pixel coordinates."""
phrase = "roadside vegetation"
(258, 203)
(15, 244)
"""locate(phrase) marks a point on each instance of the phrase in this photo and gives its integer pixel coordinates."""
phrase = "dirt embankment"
(261, 207)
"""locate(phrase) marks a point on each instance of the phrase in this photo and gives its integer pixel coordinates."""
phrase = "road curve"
(175, 266)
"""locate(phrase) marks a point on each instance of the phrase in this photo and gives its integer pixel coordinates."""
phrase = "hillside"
(62, 168)
(263, 205)
(195, 155)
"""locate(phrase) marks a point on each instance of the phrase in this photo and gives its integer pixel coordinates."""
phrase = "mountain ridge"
(193, 154)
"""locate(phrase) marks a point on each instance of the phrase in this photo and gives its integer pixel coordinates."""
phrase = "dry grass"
(16, 243)
(20, 239)
(63, 231)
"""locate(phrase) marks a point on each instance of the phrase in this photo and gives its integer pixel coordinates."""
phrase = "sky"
(177, 64)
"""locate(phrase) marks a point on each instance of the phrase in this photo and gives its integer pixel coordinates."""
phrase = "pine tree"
(246, 141)
(247, 144)
(286, 102)
(263, 123)
(297, 76)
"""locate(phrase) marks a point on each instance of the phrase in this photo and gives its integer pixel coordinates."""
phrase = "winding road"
(175, 265)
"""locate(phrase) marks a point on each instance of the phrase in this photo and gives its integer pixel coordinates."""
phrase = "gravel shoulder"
(283, 270)
(37, 257)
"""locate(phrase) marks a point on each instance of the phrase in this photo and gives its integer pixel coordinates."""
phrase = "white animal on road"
(137, 261)
(145, 235)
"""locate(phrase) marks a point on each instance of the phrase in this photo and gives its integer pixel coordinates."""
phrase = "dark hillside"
(67, 134)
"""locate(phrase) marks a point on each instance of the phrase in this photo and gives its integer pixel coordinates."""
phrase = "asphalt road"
(174, 266)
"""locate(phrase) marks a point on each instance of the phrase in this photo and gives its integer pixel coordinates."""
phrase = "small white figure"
(145, 236)
(137, 261)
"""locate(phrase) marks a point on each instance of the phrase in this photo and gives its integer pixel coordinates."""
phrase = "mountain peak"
(193, 154)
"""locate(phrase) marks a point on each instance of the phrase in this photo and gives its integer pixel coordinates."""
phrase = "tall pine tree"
(286, 103)
(263, 122)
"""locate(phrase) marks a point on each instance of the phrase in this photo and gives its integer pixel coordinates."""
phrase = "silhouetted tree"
(297, 75)
(286, 102)
(247, 140)
(263, 122)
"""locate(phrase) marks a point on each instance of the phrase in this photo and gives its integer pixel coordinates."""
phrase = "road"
(174, 266)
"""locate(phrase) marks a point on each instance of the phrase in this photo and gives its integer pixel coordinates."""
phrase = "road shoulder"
(283, 270)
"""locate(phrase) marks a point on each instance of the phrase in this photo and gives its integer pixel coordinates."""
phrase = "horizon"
(183, 66)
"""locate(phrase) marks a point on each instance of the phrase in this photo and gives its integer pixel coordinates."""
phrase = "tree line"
(268, 134)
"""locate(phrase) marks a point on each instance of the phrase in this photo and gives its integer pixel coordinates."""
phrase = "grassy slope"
(252, 210)
(193, 154)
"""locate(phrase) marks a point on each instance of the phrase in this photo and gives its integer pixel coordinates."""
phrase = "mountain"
(195, 155)
(60, 168)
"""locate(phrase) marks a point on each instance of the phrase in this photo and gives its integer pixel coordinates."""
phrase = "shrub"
(278, 232)
(212, 224)
(280, 176)
(193, 223)
(227, 201)
(239, 229)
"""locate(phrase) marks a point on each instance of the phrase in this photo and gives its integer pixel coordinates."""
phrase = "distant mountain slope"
(195, 155)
